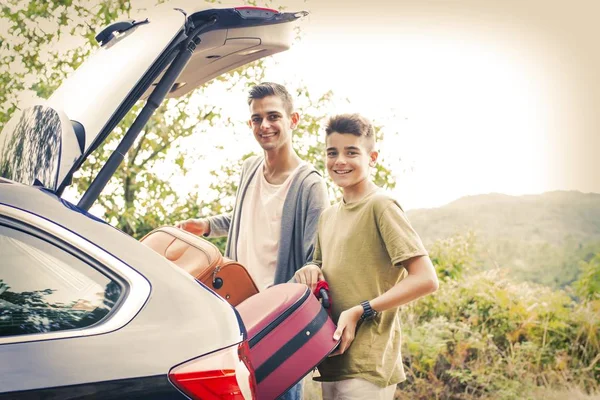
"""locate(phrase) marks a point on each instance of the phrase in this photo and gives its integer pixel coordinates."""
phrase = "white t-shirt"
(260, 227)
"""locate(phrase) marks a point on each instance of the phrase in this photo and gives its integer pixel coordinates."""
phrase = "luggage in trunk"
(203, 260)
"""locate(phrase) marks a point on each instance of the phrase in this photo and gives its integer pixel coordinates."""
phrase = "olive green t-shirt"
(360, 247)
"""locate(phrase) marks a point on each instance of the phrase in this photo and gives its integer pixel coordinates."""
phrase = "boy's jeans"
(295, 393)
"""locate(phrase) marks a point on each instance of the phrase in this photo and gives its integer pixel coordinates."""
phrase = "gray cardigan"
(306, 199)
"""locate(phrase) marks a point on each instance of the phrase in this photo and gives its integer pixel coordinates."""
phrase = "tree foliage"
(31, 59)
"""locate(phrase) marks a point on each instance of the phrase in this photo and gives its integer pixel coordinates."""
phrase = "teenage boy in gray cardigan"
(306, 198)
(272, 228)
(272, 121)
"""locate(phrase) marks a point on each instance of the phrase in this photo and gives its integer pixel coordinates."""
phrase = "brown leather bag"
(203, 260)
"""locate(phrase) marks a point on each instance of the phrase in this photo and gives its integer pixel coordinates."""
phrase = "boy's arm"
(211, 226)
(311, 273)
(421, 280)
(219, 225)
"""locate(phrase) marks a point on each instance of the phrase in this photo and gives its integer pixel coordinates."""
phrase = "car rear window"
(44, 288)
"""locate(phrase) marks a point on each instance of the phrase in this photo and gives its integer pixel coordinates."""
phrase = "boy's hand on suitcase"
(198, 227)
(309, 275)
(346, 329)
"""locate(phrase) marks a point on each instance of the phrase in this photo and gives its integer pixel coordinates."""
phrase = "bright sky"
(486, 96)
(475, 96)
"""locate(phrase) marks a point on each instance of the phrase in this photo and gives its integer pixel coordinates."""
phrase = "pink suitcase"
(289, 334)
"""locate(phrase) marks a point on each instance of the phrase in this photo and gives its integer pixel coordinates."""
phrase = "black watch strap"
(368, 312)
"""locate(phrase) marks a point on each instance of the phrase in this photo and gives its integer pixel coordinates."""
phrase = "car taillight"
(224, 375)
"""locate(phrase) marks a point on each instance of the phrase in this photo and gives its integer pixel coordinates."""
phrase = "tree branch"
(154, 154)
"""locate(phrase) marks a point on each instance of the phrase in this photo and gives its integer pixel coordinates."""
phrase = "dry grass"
(572, 394)
(312, 391)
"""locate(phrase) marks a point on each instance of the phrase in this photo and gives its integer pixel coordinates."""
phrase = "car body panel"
(147, 388)
(180, 320)
(83, 96)
(239, 46)
(135, 287)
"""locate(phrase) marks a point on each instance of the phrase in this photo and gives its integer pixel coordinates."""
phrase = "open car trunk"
(166, 52)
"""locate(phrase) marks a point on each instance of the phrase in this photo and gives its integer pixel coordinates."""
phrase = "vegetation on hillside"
(485, 335)
(538, 238)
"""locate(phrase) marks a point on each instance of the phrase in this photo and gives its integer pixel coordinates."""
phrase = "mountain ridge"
(551, 217)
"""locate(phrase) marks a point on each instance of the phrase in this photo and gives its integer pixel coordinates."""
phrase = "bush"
(484, 336)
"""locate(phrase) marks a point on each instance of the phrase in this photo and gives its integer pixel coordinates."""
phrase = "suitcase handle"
(323, 294)
(325, 298)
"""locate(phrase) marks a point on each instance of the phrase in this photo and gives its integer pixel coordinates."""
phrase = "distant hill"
(540, 238)
(551, 217)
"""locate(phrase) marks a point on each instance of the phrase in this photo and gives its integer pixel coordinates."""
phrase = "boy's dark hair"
(265, 89)
(354, 124)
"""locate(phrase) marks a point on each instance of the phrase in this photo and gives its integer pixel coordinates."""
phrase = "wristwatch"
(368, 313)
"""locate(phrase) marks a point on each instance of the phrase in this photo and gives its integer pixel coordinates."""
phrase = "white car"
(86, 311)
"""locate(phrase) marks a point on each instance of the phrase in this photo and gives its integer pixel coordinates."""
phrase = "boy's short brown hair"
(354, 124)
(265, 89)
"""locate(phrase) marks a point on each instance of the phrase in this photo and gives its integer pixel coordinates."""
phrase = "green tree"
(30, 59)
(137, 197)
(140, 196)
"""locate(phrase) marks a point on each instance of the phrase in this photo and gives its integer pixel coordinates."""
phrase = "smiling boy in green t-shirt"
(374, 262)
